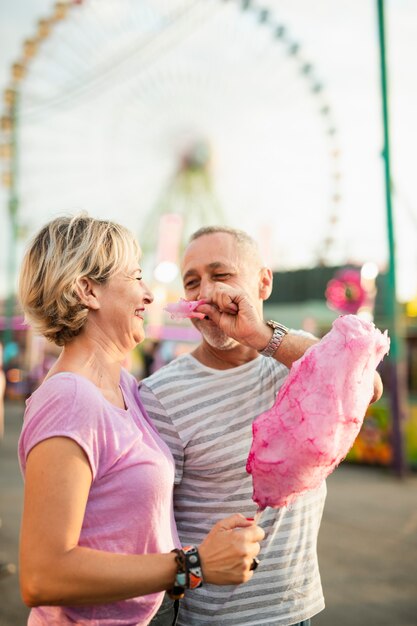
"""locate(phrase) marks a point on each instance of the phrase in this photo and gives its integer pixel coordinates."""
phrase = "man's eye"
(139, 277)
(191, 284)
(221, 276)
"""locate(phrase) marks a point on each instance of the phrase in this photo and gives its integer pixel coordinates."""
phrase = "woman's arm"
(55, 570)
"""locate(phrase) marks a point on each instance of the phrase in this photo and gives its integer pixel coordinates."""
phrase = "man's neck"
(223, 359)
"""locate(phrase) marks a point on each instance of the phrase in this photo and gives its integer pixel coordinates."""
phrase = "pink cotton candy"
(185, 308)
(317, 414)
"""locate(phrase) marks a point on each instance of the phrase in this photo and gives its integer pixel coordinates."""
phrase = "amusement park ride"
(168, 115)
(136, 110)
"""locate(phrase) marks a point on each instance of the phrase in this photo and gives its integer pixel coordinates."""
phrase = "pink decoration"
(317, 414)
(344, 292)
(185, 308)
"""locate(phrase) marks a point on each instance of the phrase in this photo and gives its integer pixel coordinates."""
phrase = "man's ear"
(265, 283)
(86, 290)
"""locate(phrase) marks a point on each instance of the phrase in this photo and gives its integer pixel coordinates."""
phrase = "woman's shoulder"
(65, 405)
(64, 387)
(66, 396)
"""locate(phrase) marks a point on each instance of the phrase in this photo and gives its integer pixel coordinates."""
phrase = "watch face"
(275, 325)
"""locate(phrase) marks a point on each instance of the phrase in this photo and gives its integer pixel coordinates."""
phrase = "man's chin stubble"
(217, 340)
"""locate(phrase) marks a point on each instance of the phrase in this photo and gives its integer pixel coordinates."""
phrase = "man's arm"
(293, 346)
(240, 319)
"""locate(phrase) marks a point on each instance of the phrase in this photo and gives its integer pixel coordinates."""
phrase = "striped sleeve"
(166, 429)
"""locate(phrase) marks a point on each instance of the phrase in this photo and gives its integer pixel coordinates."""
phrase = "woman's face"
(123, 301)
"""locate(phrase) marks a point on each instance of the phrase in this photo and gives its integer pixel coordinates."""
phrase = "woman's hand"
(228, 550)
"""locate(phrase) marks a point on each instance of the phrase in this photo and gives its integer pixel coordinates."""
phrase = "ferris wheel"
(205, 109)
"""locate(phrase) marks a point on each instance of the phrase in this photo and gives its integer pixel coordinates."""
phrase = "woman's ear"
(86, 289)
(265, 283)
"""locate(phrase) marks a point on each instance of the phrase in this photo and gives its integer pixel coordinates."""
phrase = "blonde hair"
(66, 249)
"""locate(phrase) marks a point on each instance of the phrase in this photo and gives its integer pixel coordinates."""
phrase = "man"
(204, 404)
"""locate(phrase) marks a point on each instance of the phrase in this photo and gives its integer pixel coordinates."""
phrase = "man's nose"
(206, 289)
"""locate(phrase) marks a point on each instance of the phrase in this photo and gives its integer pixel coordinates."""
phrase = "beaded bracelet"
(189, 574)
(178, 590)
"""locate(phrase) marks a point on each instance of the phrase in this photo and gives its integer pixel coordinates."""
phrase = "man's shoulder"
(177, 366)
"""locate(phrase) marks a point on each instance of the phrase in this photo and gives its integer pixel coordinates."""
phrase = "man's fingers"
(224, 301)
(215, 309)
(232, 308)
(210, 311)
(197, 314)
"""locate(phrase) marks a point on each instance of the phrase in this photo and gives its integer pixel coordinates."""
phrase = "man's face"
(214, 258)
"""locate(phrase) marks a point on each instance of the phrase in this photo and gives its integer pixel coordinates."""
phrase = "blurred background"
(294, 120)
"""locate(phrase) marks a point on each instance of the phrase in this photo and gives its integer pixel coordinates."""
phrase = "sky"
(121, 89)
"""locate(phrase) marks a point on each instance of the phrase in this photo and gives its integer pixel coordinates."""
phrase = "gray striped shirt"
(205, 415)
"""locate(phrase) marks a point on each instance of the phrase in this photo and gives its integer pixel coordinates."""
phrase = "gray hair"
(240, 236)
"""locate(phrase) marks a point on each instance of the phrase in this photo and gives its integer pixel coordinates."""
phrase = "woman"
(98, 527)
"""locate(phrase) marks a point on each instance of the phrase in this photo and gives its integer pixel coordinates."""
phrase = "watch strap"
(279, 332)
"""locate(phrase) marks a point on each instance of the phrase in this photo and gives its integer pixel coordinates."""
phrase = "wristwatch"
(278, 335)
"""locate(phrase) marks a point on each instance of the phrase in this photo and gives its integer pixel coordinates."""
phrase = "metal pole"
(396, 361)
(13, 205)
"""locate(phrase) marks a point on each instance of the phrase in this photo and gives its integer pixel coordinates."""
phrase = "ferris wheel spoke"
(114, 103)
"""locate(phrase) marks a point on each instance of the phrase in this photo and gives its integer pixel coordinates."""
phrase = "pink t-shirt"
(129, 508)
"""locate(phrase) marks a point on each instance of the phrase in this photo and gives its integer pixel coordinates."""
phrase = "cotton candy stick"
(185, 309)
(317, 414)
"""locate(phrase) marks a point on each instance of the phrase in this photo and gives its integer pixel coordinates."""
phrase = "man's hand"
(378, 388)
(236, 315)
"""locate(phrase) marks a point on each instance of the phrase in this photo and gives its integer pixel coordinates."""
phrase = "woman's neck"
(91, 359)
